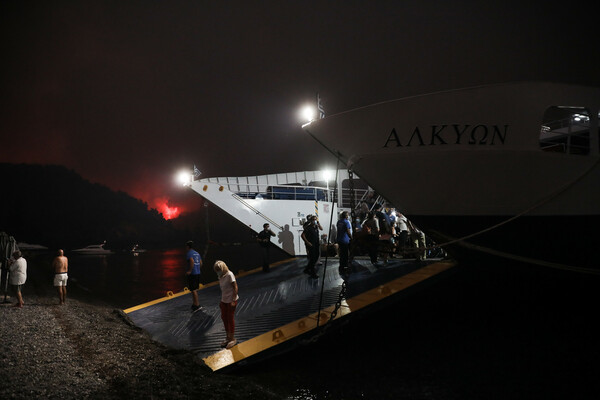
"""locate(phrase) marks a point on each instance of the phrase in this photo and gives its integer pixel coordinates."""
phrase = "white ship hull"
(461, 162)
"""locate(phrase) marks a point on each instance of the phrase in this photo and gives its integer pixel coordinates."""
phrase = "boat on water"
(509, 169)
(94, 249)
(31, 247)
(136, 250)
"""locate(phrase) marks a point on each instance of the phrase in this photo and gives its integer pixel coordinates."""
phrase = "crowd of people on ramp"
(378, 232)
(384, 233)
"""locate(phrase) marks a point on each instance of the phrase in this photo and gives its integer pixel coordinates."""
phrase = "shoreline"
(87, 349)
(488, 331)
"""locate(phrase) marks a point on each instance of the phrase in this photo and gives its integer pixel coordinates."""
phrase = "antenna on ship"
(320, 108)
(308, 112)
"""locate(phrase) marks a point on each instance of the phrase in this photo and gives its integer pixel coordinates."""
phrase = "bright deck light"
(185, 178)
(308, 113)
(327, 174)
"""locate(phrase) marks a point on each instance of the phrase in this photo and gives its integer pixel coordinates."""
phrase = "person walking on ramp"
(229, 300)
(194, 262)
(344, 236)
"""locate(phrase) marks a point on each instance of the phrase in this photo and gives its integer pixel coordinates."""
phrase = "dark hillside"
(55, 207)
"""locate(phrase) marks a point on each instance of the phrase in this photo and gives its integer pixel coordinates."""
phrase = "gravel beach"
(484, 332)
(87, 349)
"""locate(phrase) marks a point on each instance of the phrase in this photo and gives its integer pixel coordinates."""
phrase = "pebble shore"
(86, 349)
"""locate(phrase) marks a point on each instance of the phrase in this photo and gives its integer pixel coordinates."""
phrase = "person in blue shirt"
(194, 262)
(344, 235)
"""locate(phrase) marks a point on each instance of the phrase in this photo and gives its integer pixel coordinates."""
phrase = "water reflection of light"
(282, 290)
(172, 269)
(303, 394)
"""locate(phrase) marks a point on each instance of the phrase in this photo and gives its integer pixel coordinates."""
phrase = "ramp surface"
(275, 309)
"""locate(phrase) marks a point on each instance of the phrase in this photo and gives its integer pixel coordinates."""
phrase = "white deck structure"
(283, 200)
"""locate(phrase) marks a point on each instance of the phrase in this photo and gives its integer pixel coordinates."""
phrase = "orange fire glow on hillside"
(167, 211)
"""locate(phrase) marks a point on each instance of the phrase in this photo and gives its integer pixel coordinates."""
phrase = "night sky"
(126, 93)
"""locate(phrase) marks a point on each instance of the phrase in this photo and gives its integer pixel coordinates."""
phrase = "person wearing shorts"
(194, 262)
(61, 266)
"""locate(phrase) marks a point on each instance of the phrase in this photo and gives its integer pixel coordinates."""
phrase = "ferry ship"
(508, 169)
(511, 170)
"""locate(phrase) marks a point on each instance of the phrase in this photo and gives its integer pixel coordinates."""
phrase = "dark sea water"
(124, 280)
(490, 330)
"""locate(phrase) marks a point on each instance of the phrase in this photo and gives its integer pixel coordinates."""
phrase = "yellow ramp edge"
(258, 344)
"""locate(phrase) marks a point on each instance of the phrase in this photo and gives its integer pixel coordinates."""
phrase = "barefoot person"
(229, 299)
(61, 267)
(18, 275)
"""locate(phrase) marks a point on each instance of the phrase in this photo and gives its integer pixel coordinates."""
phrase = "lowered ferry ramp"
(280, 309)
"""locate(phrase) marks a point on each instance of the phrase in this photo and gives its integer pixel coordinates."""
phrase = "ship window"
(566, 130)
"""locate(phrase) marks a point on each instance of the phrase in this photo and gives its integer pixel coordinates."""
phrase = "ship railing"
(295, 192)
(370, 198)
(349, 198)
(305, 185)
(292, 192)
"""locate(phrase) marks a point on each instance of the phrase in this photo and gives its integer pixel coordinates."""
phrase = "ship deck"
(279, 310)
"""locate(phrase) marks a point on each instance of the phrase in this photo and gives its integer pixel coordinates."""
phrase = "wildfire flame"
(167, 211)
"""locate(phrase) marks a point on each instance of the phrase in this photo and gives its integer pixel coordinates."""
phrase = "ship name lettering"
(435, 133)
(479, 135)
(393, 137)
(458, 132)
(497, 132)
(481, 128)
(418, 133)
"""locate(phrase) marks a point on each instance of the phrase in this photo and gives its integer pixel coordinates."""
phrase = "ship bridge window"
(566, 130)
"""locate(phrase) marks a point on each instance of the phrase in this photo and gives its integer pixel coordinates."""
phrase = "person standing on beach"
(18, 275)
(229, 300)
(264, 239)
(194, 262)
(61, 267)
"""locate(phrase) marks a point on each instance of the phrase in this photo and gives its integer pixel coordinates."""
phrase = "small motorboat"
(135, 250)
(94, 249)
(31, 247)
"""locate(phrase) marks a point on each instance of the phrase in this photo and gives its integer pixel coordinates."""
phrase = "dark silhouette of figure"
(286, 238)
(264, 239)
(311, 240)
